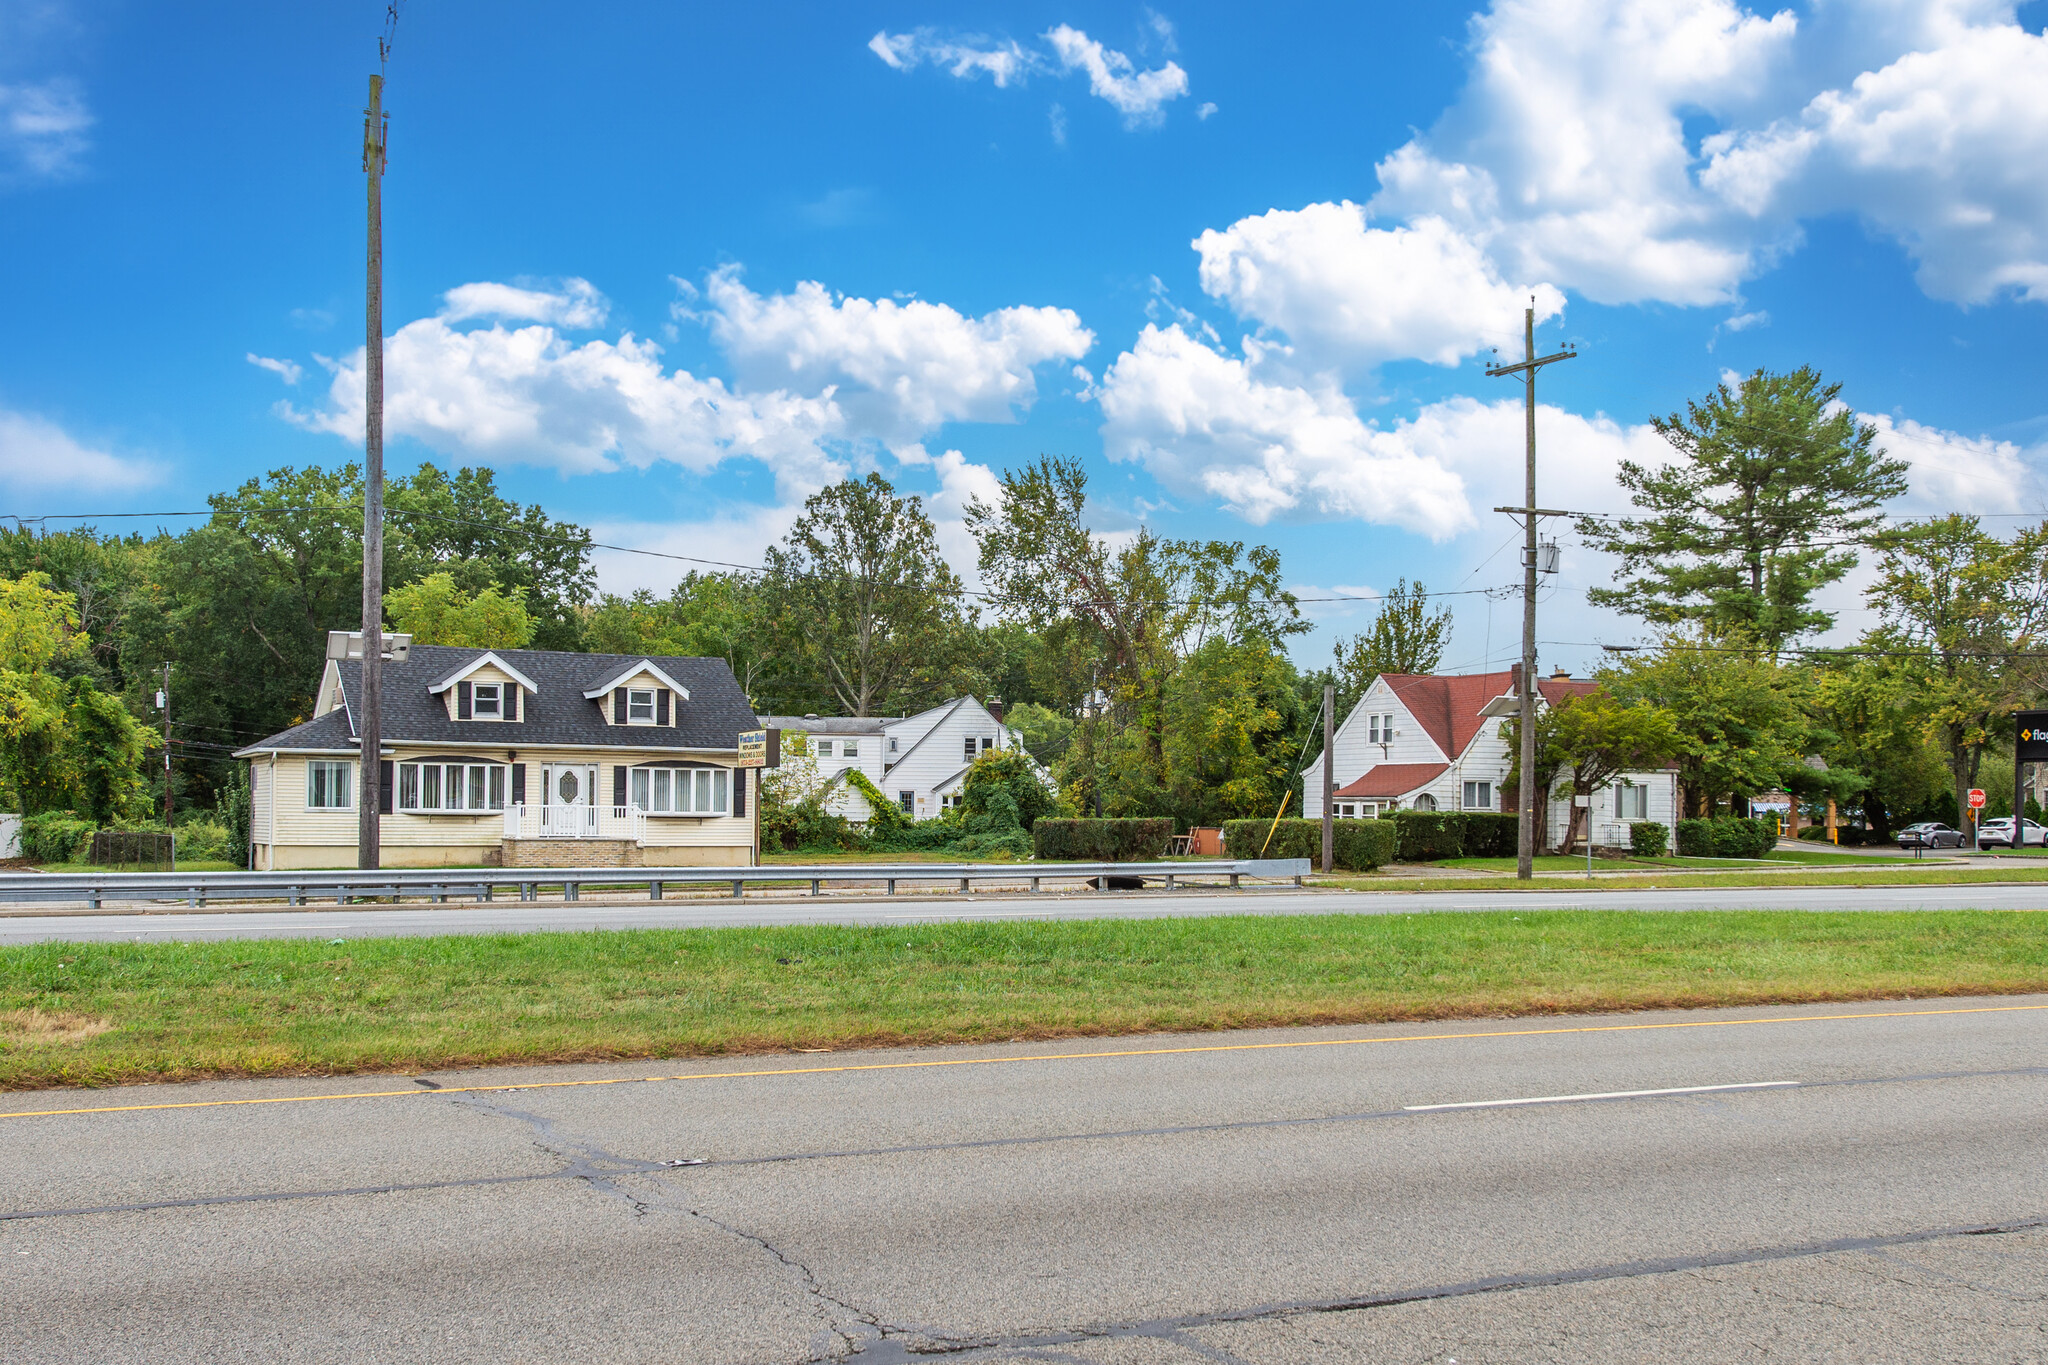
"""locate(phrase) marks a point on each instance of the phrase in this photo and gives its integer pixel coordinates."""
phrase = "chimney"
(994, 707)
(1514, 680)
(1561, 675)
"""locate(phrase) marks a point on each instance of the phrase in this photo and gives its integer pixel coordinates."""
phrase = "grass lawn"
(1880, 874)
(100, 1013)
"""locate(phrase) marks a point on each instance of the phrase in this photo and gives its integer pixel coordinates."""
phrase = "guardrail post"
(814, 886)
(891, 887)
(964, 886)
(1034, 885)
(1169, 881)
(571, 891)
(92, 898)
(1233, 883)
(654, 891)
(739, 890)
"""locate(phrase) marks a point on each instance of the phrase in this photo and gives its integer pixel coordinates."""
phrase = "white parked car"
(1997, 833)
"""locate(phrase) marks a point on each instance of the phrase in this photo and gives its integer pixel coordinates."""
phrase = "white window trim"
(503, 785)
(718, 792)
(348, 773)
(632, 693)
(476, 704)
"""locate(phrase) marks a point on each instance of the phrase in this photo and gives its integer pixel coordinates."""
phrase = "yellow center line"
(1035, 1057)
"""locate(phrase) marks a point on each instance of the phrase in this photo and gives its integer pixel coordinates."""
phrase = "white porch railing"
(576, 822)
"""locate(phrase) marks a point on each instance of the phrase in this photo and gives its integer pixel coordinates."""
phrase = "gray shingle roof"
(559, 715)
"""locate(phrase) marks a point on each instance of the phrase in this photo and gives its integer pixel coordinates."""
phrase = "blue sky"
(668, 268)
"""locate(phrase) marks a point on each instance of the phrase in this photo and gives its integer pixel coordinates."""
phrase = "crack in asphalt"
(897, 1352)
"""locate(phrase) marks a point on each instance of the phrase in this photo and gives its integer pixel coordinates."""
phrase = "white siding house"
(1433, 742)
(917, 761)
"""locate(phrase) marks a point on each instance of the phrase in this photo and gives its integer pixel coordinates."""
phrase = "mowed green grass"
(268, 1008)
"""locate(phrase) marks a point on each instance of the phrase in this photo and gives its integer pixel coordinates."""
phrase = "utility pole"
(1529, 827)
(376, 136)
(1329, 784)
(163, 704)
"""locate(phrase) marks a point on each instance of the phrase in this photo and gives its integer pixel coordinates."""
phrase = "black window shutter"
(618, 706)
(518, 784)
(739, 791)
(462, 711)
(619, 786)
(661, 707)
(512, 701)
(384, 786)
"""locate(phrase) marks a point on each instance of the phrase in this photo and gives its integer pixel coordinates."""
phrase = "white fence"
(576, 822)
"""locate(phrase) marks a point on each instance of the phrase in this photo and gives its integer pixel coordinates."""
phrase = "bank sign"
(2031, 737)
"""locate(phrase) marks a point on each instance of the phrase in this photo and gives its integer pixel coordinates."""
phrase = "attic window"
(487, 699)
(640, 705)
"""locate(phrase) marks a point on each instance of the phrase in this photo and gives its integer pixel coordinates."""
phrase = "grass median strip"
(1880, 875)
(97, 1014)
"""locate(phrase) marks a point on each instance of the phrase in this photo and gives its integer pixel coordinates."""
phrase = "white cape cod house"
(919, 761)
(1429, 741)
(516, 757)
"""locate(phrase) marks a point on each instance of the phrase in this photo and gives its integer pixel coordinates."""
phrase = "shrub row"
(56, 836)
(1726, 836)
(1648, 839)
(1488, 835)
(1101, 841)
(1357, 845)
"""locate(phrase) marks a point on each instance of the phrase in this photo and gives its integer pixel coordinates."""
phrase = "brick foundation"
(572, 853)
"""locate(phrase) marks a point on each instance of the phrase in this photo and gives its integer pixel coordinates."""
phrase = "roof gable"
(644, 666)
(487, 658)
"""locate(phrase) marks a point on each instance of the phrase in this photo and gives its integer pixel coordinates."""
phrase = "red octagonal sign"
(1976, 798)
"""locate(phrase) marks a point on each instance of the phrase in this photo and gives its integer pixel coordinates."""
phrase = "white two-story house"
(1425, 741)
(919, 761)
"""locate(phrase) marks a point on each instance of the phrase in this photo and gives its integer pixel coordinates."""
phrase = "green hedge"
(1101, 841)
(1726, 836)
(1648, 839)
(56, 836)
(1736, 837)
(1488, 835)
(1359, 845)
(1428, 836)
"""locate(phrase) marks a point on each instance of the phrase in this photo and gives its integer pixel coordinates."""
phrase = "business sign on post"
(759, 749)
(2031, 736)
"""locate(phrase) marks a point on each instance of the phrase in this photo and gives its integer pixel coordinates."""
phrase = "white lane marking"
(1603, 1095)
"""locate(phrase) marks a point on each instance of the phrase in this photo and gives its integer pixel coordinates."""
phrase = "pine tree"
(1775, 486)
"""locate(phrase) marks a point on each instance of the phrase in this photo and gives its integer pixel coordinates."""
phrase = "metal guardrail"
(483, 883)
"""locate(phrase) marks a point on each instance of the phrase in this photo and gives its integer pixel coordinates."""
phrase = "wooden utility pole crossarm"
(1529, 826)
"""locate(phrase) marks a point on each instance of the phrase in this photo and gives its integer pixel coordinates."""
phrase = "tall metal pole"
(1329, 779)
(1529, 828)
(369, 850)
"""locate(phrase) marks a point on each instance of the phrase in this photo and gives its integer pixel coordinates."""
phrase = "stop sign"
(1976, 798)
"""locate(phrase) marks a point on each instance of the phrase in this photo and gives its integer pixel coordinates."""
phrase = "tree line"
(1152, 675)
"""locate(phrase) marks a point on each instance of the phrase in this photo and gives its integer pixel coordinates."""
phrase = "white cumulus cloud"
(575, 304)
(1940, 149)
(896, 369)
(1348, 293)
(1139, 95)
(37, 453)
(1951, 472)
(1202, 420)
(815, 373)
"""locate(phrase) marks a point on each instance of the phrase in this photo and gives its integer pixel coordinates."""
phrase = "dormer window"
(640, 706)
(488, 701)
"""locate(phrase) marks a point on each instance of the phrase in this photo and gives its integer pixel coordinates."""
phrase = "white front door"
(568, 796)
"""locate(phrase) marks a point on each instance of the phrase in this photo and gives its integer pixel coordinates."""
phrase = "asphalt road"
(1865, 1183)
(362, 921)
